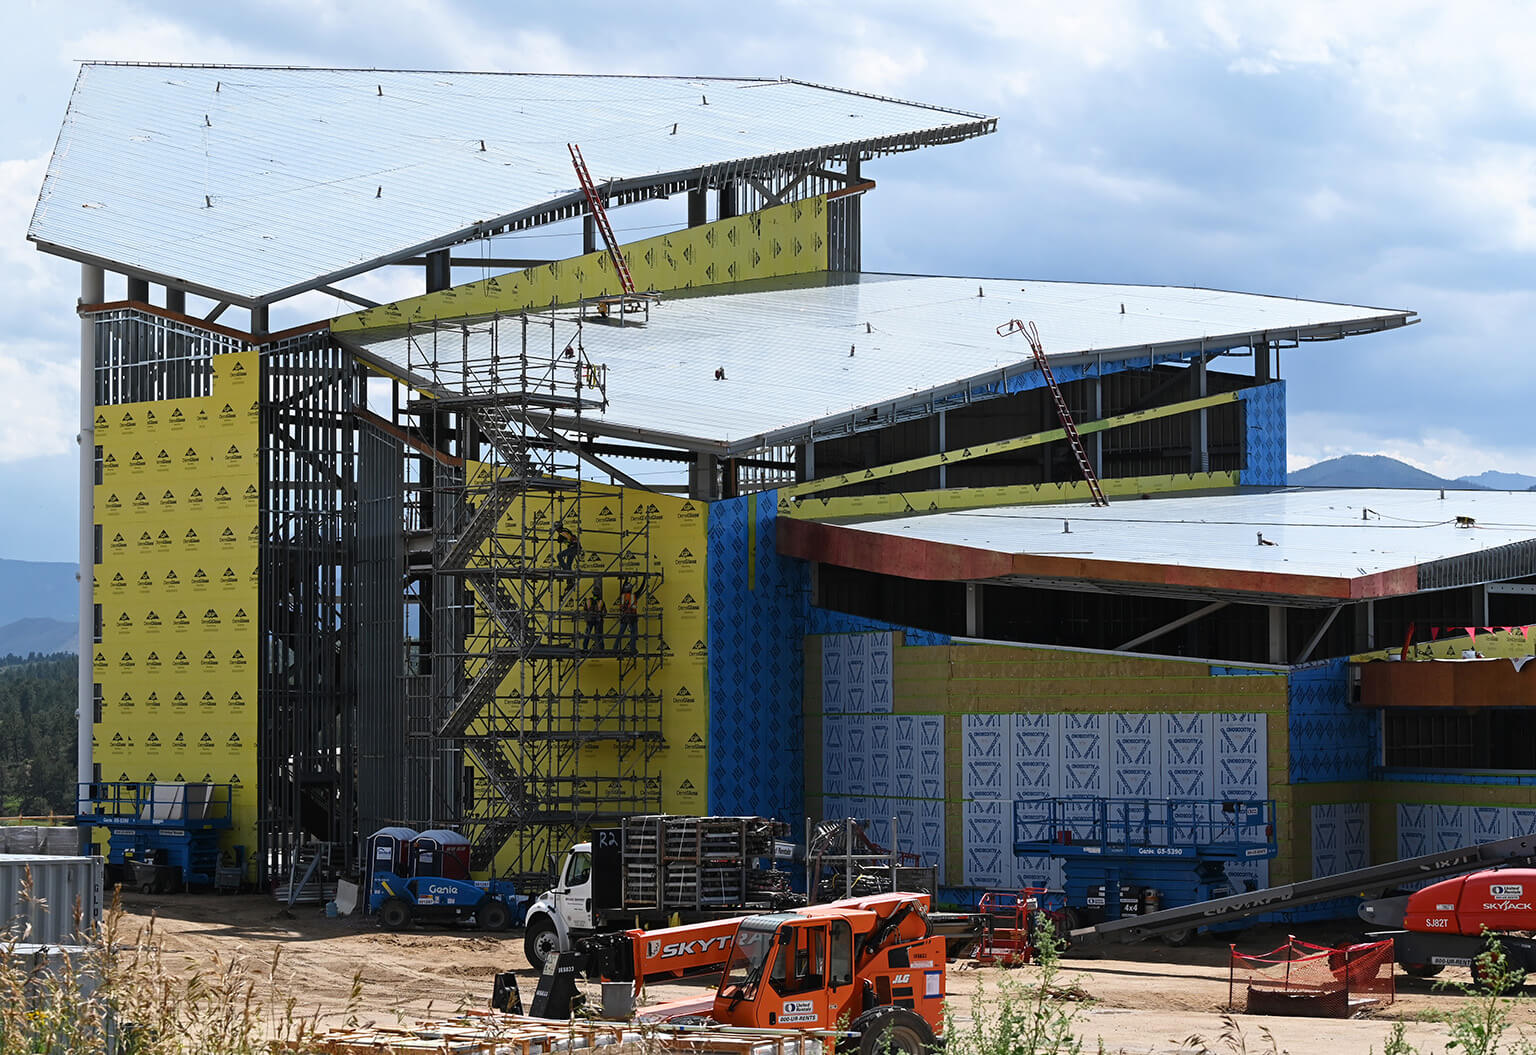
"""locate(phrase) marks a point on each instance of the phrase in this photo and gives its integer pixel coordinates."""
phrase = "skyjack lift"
(1372, 881)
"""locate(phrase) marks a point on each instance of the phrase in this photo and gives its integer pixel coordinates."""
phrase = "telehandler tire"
(893, 1030)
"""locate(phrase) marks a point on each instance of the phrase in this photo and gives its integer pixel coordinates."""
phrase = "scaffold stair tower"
(552, 708)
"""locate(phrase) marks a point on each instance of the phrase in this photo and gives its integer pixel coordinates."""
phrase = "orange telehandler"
(871, 968)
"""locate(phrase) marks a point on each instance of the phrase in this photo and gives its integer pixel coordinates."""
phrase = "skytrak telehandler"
(873, 968)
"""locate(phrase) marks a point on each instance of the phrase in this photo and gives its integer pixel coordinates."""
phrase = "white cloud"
(1447, 452)
(132, 34)
(39, 402)
(30, 278)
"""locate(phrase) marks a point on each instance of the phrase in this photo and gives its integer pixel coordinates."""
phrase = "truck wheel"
(1177, 939)
(1422, 970)
(394, 914)
(540, 941)
(492, 915)
(889, 1030)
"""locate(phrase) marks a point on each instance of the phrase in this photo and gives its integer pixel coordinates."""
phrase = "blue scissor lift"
(162, 834)
(1116, 851)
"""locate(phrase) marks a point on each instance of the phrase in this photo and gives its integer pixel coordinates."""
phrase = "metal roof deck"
(1330, 546)
(254, 183)
(785, 344)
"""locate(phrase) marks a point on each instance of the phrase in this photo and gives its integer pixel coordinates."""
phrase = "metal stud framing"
(306, 749)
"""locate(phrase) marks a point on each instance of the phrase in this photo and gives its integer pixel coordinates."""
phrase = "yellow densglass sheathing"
(676, 587)
(788, 239)
(177, 585)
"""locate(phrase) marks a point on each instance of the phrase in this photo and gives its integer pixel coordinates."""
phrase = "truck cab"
(817, 970)
(787, 970)
(564, 913)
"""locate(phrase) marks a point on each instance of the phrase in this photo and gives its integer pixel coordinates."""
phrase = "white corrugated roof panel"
(785, 344)
(1339, 534)
(251, 181)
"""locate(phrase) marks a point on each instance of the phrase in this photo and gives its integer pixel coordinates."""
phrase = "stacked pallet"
(697, 863)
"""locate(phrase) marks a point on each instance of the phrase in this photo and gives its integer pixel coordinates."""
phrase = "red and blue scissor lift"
(1131, 857)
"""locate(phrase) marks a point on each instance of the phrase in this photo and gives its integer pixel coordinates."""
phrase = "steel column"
(1199, 426)
(439, 271)
(704, 478)
(1277, 650)
(92, 291)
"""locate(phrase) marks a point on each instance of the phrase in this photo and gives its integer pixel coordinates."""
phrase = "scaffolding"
(549, 702)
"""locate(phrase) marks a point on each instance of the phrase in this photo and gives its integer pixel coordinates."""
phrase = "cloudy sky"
(1370, 152)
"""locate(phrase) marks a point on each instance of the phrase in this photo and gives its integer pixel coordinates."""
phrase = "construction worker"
(629, 617)
(595, 610)
(570, 545)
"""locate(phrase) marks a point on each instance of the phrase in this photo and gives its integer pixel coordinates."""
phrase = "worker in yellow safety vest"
(595, 610)
(570, 545)
(629, 617)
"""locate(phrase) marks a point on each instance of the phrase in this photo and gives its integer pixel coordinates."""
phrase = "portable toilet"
(440, 852)
(389, 850)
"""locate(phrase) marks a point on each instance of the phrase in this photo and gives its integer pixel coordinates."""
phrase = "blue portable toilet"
(389, 850)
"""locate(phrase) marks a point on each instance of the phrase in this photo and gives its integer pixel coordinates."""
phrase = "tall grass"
(1039, 1017)
(120, 993)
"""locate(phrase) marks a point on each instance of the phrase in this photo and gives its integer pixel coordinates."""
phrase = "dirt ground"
(1143, 998)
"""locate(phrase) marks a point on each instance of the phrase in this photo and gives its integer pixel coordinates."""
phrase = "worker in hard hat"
(570, 545)
(629, 617)
(595, 610)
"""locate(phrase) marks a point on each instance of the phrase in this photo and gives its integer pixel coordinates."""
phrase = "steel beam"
(1306, 653)
(1170, 627)
(351, 298)
(984, 450)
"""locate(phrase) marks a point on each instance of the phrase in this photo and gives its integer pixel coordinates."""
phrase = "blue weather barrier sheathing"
(1265, 445)
(1330, 740)
(759, 613)
(757, 606)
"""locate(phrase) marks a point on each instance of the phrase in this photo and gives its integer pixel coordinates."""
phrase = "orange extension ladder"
(600, 217)
(1067, 424)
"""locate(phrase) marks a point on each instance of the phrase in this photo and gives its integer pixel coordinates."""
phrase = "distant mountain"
(1497, 481)
(1371, 470)
(38, 590)
(44, 636)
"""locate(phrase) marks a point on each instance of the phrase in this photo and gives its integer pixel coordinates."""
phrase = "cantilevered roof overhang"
(253, 184)
(829, 354)
(1321, 547)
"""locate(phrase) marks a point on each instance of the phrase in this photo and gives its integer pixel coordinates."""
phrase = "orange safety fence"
(1299, 978)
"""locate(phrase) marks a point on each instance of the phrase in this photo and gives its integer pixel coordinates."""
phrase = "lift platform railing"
(1235, 829)
(154, 805)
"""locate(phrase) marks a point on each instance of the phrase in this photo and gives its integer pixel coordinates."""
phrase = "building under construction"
(924, 547)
